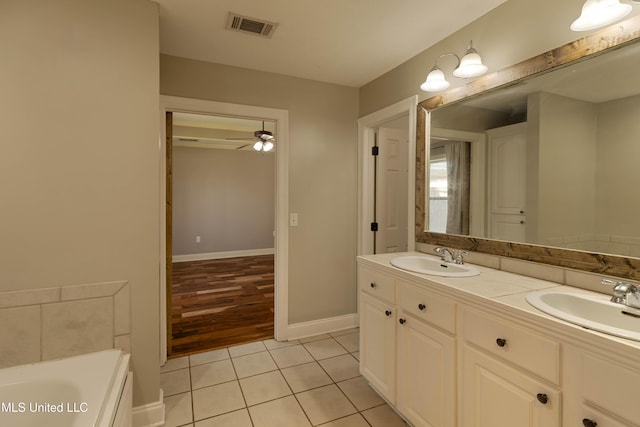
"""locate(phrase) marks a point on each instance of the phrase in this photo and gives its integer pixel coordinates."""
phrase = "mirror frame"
(603, 41)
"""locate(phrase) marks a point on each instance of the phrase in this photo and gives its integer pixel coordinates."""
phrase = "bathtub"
(90, 390)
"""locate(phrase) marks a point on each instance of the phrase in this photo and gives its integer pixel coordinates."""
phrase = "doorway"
(222, 218)
(213, 108)
(403, 115)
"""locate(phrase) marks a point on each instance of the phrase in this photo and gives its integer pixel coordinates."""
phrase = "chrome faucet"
(624, 293)
(451, 255)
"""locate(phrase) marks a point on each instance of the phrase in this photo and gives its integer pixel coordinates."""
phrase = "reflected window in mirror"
(449, 186)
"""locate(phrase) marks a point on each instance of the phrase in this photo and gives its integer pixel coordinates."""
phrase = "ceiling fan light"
(600, 13)
(257, 146)
(435, 81)
(470, 65)
(267, 146)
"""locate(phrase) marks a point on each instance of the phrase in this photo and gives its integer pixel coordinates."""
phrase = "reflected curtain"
(458, 159)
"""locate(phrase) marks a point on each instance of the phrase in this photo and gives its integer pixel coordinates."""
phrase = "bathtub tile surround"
(45, 324)
(312, 381)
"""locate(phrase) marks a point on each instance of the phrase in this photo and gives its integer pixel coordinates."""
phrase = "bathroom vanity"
(471, 351)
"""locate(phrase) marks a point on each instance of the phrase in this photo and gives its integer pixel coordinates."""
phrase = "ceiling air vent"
(245, 24)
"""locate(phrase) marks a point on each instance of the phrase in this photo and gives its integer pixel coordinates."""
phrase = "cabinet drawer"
(598, 418)
(428, 307)
(377, 284)
(536, 353)
(611, 386)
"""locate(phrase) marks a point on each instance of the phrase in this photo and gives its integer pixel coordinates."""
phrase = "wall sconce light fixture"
(600, 13)
(469, 66)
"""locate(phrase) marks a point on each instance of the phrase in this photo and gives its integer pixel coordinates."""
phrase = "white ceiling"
(346, 42)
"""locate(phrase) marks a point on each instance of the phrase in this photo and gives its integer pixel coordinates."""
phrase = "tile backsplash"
(44, 324)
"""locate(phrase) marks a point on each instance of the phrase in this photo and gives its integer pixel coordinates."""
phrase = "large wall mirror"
(540, 161)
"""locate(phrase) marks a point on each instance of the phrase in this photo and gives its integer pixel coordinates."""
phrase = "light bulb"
(435, 81)
(257, 146)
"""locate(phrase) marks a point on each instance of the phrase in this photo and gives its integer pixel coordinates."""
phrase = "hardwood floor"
(222, 302)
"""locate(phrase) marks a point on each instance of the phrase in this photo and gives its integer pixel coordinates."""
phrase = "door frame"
(281, 244)
(366, 140)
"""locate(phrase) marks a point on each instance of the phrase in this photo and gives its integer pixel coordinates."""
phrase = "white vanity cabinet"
(378, 331)
(509, 374)
(602, 390)
(426, 357)
(407, 348)
(444, 357)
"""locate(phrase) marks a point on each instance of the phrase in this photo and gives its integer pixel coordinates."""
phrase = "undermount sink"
(590, 312)
(434, 267)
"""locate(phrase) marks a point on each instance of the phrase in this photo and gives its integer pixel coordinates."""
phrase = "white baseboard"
(221, 255)
(322, 326)
(149, 415)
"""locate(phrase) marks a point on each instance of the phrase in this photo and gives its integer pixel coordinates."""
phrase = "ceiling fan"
(263, 140)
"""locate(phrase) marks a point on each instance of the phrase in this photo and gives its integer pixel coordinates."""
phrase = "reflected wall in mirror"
(547, 162)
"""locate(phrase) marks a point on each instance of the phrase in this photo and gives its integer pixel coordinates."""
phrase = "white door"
(392, 190)
(507, 182)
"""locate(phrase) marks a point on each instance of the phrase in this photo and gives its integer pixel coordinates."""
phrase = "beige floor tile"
(209, 356)
(324, 349)
(244, 349)
(314, 338)
(217, 400)
(344, 332)
(273, 344)
(354, 420)
(175, 364)
(325, 404)
(253, 364)
(175, 382)
(212, 374)
(291, 356)
(350, 342)
(279, 413)
(356, 354)
(177, 410)
(360, 394)
(342, 367)
(305, 377)
(232, 419)
(264, 387)
(383, 416)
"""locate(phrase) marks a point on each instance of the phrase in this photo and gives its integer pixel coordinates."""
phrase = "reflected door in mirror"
(507, 182)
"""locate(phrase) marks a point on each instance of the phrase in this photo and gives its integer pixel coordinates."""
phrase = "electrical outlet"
(293, 220)
(197, 239)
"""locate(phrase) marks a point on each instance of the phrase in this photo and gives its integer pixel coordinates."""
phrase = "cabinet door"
(426, 374)
(378, 345)
(497, 395)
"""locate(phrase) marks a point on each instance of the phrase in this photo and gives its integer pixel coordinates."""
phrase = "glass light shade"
(267, 146)
(470, 65)
(257, 146)
(599, 13)
(435, 81)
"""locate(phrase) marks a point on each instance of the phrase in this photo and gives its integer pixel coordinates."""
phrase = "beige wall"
(617, 172)
(79, 163)
(566, 172)
(322, 173)
(514, 31)
(224, 196)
